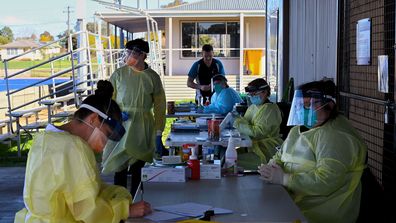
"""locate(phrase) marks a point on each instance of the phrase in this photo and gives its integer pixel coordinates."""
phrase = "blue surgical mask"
(256, 100)
(310, 122)
(217, 88)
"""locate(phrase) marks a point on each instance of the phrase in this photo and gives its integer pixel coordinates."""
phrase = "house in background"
(18, 47)
(235, 28)
(23, 45)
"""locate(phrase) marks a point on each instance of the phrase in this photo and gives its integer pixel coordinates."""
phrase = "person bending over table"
(224, 98)
(62, 182)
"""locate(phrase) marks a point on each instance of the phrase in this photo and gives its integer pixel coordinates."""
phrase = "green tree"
(205, 39)
(65, 42)
(92, 27)
(6, 35)
(46, 37)
(174, 3)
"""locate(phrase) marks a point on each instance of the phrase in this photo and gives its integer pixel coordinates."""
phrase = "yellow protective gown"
(62, 184)
(325, 165)
(262, 124)
(140, 94)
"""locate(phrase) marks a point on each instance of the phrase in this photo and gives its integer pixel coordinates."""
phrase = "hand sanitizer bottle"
(231, 157)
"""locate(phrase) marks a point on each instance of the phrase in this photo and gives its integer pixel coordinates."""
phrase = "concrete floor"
(11, 191)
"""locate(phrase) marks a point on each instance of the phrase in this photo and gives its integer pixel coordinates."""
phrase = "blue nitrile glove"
(159, 147)
(200, 109)
(125, 116)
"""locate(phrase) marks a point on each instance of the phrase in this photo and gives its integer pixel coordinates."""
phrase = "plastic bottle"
(231, 157)
(193, 164)
(207, 102)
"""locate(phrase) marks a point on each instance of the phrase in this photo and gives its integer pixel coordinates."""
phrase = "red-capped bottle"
(194, 165)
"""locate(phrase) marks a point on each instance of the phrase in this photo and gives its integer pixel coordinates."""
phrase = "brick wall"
(360, 99)
(366, 115)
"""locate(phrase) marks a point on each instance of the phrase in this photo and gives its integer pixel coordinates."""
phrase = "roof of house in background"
(136, 22)
(24, 43)
(221, 5)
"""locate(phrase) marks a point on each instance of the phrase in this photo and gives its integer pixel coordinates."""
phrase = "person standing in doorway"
(202, 71)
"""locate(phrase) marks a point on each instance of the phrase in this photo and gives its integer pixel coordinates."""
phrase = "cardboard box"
(165, 174)
(211, 171)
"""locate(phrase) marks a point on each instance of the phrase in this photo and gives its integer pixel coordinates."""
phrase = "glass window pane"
(212, 33)
(233, 38)
(188, 39)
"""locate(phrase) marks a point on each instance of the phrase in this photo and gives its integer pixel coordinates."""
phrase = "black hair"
(325, 90)
(221, 78)
(259, 82)
(102, 101)
(207, 48)
(138, 43)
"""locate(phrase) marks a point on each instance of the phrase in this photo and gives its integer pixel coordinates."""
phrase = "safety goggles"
(117, 130)
(253, 89)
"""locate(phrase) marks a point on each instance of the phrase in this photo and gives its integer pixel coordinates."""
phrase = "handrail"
(364, 98)
(45, 79)
(39, 99)
(40, 64)
(35, 49)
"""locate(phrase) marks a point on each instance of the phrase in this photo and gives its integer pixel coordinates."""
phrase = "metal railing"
(80, 73)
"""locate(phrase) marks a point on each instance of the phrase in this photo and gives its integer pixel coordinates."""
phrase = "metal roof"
(221, 5)
(134, 21)
(26, 43)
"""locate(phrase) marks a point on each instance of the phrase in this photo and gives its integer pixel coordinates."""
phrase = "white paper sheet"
(161, 216)
(191, 209)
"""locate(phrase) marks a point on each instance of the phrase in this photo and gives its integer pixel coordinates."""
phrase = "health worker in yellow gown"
(141, 96)
(62, 182)
(261, 123)
(322, 159)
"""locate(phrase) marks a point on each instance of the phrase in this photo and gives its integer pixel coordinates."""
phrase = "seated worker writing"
(322, 159)
(224, 98)
(261, 123)
(62, 182)
(202, 71)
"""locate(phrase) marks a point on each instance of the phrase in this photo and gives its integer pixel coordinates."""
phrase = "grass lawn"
(42, 71)
(25, 64)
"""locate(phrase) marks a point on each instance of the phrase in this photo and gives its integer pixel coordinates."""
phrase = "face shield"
(117, 130)
(304, 107)
(128, 52)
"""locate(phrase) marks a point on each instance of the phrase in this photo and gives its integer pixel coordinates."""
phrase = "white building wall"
(255, 34)
(313, 40)
(30, 56)
(181, 66)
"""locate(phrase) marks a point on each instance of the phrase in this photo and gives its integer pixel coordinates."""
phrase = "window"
(12, 51)
(221, 35)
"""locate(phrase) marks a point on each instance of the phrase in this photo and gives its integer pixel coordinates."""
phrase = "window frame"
(197, 50)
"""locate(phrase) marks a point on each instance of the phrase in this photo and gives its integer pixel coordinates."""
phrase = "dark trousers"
(121, 178)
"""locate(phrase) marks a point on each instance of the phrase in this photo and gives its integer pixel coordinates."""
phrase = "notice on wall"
(383, 74)
(363, 42)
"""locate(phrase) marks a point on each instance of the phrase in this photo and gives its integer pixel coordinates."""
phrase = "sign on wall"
(363, 42)
(383, 74)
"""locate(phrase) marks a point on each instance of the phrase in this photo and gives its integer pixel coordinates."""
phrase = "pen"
(137, 191)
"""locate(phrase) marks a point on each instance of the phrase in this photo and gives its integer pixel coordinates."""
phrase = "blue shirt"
(194, 71)
(224, 102)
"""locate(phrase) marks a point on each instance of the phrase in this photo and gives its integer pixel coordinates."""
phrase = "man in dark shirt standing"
(202, 72)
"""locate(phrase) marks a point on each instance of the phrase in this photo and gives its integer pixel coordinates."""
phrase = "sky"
(26, 17)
